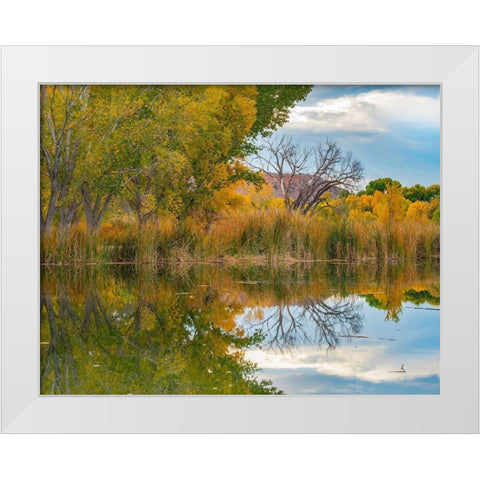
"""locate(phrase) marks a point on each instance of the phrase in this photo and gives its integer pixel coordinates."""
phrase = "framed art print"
(240, 239)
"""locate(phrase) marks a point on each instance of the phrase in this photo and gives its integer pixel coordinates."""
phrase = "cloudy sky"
(366, 365)
(393, 130)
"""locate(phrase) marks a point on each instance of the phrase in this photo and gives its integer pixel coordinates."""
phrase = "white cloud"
(372, 363)
(373, 112)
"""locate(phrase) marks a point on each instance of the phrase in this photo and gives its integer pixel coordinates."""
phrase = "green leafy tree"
(64, 110)
(433, 191)
(273, 106)
(152, 165)
(419, 193)
(102, 168)
(380, 185)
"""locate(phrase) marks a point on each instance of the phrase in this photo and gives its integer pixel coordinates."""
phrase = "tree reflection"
(153, 345)
(177, 330)
(314, 321)
(57, 362)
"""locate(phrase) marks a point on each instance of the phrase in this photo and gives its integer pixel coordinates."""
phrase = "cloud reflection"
(366, 363)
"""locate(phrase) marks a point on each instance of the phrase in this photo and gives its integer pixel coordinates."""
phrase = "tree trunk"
(94, 211)
(67, 215)
(47, 221)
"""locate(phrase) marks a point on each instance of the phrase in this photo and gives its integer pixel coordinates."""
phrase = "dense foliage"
(149, 173)
(152, 149)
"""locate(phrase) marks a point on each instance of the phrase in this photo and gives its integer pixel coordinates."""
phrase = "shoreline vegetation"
(174, 174)
(258, 237)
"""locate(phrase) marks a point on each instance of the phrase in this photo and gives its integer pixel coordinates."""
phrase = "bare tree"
(305, 175)
(313, 321)
(287, 160)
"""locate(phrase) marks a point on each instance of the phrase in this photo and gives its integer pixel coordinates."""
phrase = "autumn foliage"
(159, 174)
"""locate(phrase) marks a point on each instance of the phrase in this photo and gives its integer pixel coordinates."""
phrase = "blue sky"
(366, 365)
(393, 130)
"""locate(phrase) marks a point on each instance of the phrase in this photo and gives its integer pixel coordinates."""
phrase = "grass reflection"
(150, 330)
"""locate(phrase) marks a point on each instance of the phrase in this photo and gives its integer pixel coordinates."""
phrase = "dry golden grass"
(271, 235)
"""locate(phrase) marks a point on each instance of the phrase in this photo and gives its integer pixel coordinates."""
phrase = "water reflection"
(313, 321)
(121, 340)
(237, 330)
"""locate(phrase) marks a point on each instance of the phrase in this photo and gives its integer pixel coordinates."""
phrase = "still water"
(322, 328)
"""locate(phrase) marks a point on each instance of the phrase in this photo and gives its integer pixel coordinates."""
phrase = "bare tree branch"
(306, 175)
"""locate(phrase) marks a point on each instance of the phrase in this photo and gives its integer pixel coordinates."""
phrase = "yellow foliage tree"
(392, 206)
(418, 212)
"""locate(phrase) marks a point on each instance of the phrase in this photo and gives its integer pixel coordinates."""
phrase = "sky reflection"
(367, 362)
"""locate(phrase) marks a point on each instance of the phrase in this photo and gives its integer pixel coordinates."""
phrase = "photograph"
(239, 239)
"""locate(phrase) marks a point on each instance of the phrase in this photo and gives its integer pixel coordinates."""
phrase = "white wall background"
(90, 22)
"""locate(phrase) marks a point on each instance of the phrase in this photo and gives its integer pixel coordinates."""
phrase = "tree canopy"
(379, 185)
(167, 147)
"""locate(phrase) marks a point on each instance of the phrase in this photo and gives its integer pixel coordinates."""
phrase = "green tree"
(273, 106)
(433, 191)
(82, 134)
(158, 147)
(152, 163)
(102, 168)
(63, 112)
(380, 185)
(219, 120)
(419, 193)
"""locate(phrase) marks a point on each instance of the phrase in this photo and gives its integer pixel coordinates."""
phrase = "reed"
(274, 235)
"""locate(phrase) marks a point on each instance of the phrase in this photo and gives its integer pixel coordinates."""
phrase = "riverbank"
(257, 260)
(258, 236)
